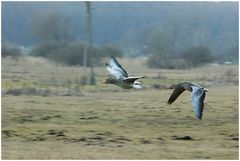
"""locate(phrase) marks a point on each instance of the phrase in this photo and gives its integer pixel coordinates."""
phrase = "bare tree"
(52, 27)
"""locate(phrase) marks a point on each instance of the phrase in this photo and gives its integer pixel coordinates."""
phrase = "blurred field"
(47, 114)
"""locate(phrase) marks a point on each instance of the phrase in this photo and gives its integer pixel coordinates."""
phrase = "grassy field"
(48, 114)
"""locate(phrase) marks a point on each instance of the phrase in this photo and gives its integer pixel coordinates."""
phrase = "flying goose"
(122, 79)
(198, 95)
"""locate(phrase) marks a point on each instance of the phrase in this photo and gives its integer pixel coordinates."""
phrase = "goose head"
(110, 81)
(172, 86)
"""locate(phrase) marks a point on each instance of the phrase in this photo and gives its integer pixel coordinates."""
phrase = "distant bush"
(46, 49)
(11, 50)
(73, 53)
(30, 91)
(66, 53)
(14, 92)
(191, 57)
(108, 50)
(22, 91)
(229, 55)
(158, 61)
(197, 56)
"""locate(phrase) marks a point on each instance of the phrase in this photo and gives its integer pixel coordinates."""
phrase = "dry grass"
(107, 122)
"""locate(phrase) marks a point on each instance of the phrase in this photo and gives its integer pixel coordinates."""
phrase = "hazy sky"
(114, 21)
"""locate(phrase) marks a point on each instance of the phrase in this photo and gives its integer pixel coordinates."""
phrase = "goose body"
(121, 77)
(198, 95)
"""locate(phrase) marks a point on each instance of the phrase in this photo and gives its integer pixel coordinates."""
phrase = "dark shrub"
(66, 53)
(11, 50)
(14, 92)
(108, 50)
(197, 56)
(158, 61)
(46, 49)
(73, 53)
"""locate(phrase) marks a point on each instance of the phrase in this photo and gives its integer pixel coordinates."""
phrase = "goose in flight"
(122, 79)
(198, 95)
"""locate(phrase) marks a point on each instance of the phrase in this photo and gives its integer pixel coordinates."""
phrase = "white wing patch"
(137, 85)
(115, 70)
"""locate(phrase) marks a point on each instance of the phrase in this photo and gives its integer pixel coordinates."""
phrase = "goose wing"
(198, 96)
(132, 79)
(116, 69)
(176, 92)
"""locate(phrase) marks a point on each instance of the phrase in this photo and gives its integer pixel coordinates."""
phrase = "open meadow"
(48, 114)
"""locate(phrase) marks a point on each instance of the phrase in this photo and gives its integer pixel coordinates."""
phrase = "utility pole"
(88, 48)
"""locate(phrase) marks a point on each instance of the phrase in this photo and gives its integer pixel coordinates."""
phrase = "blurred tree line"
(184, 44)
(9, 49)
(203, 33)
(57, 41)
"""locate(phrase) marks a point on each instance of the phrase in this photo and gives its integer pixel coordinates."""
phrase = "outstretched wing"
(116, 69)
(132, 79)
(198, 96)
(176, 92)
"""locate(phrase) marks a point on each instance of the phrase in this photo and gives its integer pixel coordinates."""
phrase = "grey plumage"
(198, 95)
(116, 69)
(121, 76)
